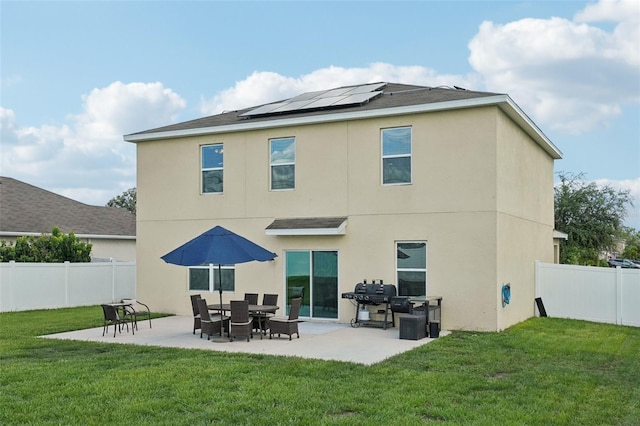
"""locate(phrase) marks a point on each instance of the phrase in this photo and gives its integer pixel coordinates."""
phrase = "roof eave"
(89, 236)
(502, 101)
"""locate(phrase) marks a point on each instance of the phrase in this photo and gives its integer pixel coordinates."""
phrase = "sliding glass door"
(313, 275)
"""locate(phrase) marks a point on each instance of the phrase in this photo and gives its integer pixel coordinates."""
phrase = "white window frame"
(290, 163)
(207, 169)
(213, 269)
(384, 157)
(399, 269)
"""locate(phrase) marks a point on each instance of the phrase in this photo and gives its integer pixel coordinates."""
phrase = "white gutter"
(94, 236)
(504, 102)
(340, 230)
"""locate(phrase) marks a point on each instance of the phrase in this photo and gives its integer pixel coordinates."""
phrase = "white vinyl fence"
(610, 295)
(26, 286)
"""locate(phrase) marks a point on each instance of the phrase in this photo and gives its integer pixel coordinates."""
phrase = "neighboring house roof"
(382, 100)
(28, 210)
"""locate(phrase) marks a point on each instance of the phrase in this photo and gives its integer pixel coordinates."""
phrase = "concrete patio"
(318, 340)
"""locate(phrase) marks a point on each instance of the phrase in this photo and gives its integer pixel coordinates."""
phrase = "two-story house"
(440, 191)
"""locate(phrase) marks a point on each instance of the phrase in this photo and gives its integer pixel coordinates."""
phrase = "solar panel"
(342, 96)
(264, 109)
(309, 95)
(324, 102)
(336, 92)
(367, 88)
(357, 98)
(293, 105)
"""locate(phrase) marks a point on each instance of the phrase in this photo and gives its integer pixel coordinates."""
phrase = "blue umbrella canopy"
(217, 246)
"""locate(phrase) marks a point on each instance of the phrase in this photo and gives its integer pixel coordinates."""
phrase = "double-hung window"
(411, 268)
(207, 278)
(212, 168)
(283, 163)
(396, 156)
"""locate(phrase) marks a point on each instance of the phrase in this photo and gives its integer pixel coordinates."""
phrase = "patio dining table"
(258, 310)
(121, 310)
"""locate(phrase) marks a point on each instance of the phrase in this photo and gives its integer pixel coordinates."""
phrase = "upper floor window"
(207, 278)
(411, 268)
(396, 156)
(212, 170)
(283, 163)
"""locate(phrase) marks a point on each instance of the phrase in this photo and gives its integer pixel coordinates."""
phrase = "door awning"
(308, 226)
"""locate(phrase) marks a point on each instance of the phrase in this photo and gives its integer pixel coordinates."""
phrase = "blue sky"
(76, 76)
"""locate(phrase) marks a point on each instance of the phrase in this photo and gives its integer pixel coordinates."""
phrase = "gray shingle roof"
(307, 223)
(394, 95)
(25, 208)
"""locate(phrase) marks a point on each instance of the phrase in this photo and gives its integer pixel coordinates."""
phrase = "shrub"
(56, 247)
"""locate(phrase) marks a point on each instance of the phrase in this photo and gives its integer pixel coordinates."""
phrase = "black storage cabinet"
(413, 327)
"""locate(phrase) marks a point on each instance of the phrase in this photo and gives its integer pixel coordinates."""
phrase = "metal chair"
(210, 326)
(241, 324)
(260, 319)
(286, 325)
(196, 312)
(134, 313)
(252, 298)
(111, 316)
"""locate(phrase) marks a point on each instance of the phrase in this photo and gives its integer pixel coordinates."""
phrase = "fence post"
(66, 283)
(113, 280)
(12, 266)
(619, 295)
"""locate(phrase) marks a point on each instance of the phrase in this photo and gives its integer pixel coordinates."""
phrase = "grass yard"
(541, 372)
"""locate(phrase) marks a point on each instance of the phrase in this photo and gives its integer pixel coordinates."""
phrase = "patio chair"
(111, 316)
(241, 324)
(286, 325)
(293, 292)
(141, 311)
(209, 325)
(196, 312)
(260, 319)
(252, 298)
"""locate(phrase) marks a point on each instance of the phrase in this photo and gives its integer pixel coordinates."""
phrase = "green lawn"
(541, 372)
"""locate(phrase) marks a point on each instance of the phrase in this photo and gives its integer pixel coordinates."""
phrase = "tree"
(591, 216)
(56, 247)
(126, 200)
(632, 244)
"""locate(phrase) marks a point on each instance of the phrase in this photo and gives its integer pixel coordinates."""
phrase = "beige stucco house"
(26, 210)
(441, 191)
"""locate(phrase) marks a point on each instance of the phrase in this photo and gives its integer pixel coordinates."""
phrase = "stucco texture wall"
(463, 201)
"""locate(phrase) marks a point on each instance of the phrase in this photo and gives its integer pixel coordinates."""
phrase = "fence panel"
(606, 295)
(630, 302)
(25, 286)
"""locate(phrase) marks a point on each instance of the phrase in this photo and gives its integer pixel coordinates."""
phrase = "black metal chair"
(196, 312)
(252, 298)
(286, 325)
(142, 310)
(209, 325)
(112, 317)
(260, 318)
(241, 324)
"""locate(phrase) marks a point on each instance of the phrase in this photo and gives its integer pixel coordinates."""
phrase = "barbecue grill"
(374, 293)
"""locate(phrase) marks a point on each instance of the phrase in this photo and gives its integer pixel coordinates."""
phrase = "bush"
(56, 247)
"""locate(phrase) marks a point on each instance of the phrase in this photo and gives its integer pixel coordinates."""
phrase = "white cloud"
(86, 159)
(633, 186)
(570, 75)
(265, 87)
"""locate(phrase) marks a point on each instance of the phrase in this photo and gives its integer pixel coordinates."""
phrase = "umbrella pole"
(220, 291)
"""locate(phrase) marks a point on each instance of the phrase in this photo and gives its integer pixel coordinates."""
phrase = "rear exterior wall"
(456, 203)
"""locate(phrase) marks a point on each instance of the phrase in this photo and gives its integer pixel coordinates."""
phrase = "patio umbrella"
(218, 246)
